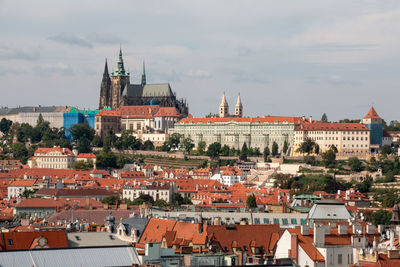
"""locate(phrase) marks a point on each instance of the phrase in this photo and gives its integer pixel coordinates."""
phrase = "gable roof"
(24, 240)
(109, 113)
(144, 111)
(332, 126)
(372, 114)
(167, 112)
(45, 150)
(155, 230)
(265, 119)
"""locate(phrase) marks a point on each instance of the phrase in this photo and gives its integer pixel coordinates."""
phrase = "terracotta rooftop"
(266, 119)
(372, 114)
(327, 126)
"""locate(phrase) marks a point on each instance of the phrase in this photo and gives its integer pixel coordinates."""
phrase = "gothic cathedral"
(116, 90)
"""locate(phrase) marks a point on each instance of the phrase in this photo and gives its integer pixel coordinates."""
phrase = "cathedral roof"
(147, 90)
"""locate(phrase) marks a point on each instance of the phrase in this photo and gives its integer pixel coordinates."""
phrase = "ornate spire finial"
(144, 74)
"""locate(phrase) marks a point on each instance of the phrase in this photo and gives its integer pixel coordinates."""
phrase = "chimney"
(310, 119)
(319, 235)
(381, 228)
(342, 229)
(293, 252)
(200, 225)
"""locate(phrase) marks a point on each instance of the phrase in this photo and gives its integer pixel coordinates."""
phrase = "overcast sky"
(284, 57)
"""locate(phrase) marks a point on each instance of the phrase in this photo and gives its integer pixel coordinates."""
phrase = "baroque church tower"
(238, 108)
(223, 107)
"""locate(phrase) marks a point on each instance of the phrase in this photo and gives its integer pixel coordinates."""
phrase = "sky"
(285, 58)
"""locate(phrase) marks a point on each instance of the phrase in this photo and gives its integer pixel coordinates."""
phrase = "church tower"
(105, 88)
(223, 107)
(375, 125)
(143, 75)
(119, 79)
(238, 107)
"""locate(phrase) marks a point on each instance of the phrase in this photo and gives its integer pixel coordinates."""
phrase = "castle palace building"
(116, 91)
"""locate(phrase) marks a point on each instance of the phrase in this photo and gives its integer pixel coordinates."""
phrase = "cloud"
(71, 40)
(57, 68)
(197, 73)
(9, 53)
(171, 51)
(12, 71)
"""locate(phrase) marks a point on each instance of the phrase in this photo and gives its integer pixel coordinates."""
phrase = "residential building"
(159, 190)
(54, 158)
(18, 187)
(325, 245)
(106, 121)
(6, 165)
(348, 138)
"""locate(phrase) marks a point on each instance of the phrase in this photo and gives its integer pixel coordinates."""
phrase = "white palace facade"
(235, 130)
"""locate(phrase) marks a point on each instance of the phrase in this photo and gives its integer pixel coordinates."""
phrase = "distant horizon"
(285, 59)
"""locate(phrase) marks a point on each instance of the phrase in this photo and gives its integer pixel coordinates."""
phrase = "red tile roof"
(327, 126)
(372, 114)
(45, 150)
(265, 119)
(168, 112)
(146, 111)
(86, 155)
(109, 113)
(155, 230)
(24, 240)
(23, 183)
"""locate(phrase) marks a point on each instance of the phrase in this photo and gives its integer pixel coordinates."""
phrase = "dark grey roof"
(137, 223)
(27, 109)
(149, 90)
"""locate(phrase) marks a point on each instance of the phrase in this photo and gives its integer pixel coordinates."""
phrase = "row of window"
(285, 221)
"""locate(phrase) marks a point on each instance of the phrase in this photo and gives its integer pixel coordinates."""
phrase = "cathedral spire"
(105, 69)
(143, 75)
(120, 71)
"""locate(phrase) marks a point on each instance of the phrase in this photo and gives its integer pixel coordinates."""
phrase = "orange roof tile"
(328, 126)
(109, 113)
(372, 114)
(45, 150)
(86, 155)
(168, 112)
(265, 119)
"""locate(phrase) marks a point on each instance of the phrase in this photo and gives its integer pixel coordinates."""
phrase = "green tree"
(106, 160)
(324, 118)
(275, 149)
(148, 145)
(20, 152)
(201, 147)
(177, 199)
(174, 140)
(329, 157)
(24, 132)
(316, 148)
(83, 165)
(307, 146)
(244, 151)
(389, 199)
(355, 164)
(251, 201)
(83, 146)
(285, 147)
(5, 125)
(96, 142)
(111, 200)
(365, 186)
(225, 150)
(214, 150)
(381, 217)
(81, 131)
(266, 153)
(161, 203)
(187, 145)
(386, 150)
(28, 193)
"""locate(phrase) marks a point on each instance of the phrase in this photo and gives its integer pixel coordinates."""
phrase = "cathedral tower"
(238, 107)
(143, 75)
(223, 107)
(105, 89)
(119, 78)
